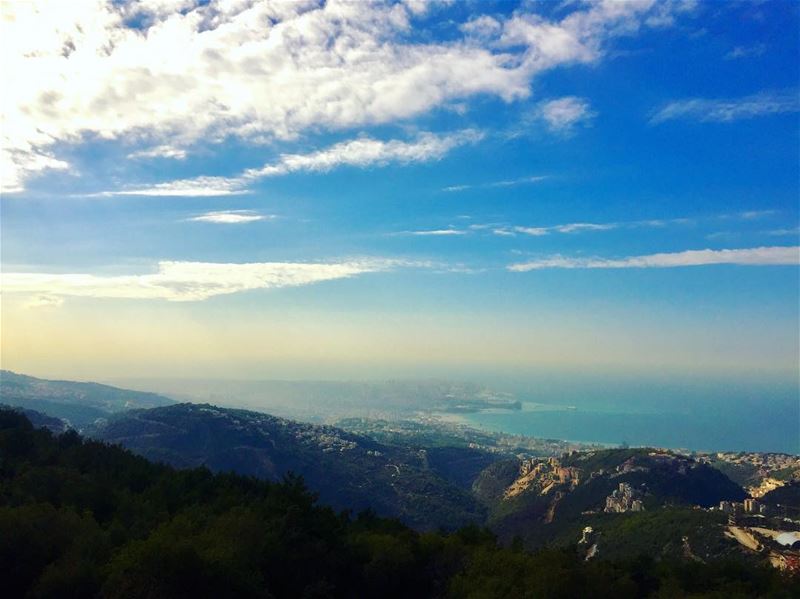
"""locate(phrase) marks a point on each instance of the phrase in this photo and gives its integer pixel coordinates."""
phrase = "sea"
(724, 417)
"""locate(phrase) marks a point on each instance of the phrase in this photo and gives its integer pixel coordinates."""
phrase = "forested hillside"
(348, 471)
(79, 518)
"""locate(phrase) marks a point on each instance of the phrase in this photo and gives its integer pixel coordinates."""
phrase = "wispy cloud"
(511, 230)
(570, 228)
(366, 152)
(495, 184)
(197, 187)
(231, 217)
(784, 232)
(729, 110)
(760, 256)
(752, 214)
(564, 114)
(44, 301)
(746, 52)
(503, 232)
(437, 232)
(656, 223)
(361, 153)
(189, 281)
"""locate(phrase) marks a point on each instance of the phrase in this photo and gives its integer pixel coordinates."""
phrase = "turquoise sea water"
(704, 428)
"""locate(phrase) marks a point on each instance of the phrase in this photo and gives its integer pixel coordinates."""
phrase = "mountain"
(787, 496)
(551, 500)
(80, 518)
(39, 420)
(80, 404)
(347, 470)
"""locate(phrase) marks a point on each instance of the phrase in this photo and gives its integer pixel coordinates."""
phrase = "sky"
(360, 190)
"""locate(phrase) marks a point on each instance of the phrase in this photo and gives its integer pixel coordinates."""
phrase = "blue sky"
(361, 190)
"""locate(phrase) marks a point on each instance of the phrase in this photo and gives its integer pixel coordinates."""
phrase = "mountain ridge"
(347, 470)
(79, 403)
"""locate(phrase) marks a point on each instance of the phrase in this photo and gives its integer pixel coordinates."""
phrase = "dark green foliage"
(348, 471)
(459, 465)
(82, 519)
(39, 420)
(742, 474)
(490, 484)
(563, 574)
(785, 495)
(607, 459)
(786, 499)
(657, 533)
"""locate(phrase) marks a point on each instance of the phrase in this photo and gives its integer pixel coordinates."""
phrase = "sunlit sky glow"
(365, 189)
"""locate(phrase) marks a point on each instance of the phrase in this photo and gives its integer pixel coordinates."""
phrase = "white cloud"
(262, 70)
(493, 184)
(725, 111)
(532, 231)
(483, 26)
(231, 217)
(162, 151)
(190, 281)
(362, 152)
(438, 232)
(564, 114)
(761, 256)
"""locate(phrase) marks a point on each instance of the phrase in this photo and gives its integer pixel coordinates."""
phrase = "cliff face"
(545, 496)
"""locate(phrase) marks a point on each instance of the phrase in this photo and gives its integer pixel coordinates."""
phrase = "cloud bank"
(761, 256)
(188, 281)
(164, 75)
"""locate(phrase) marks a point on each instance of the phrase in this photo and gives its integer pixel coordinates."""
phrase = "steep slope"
(548, 497)
(39, 420)
(347, 470)
(78, 403)
(786, 497)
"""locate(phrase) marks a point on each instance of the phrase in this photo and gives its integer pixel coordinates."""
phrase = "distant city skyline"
(354, 190)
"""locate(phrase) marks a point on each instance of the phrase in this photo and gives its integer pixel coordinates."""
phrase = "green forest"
(80, 518)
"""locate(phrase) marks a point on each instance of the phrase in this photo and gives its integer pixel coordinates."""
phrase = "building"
(623, 499)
